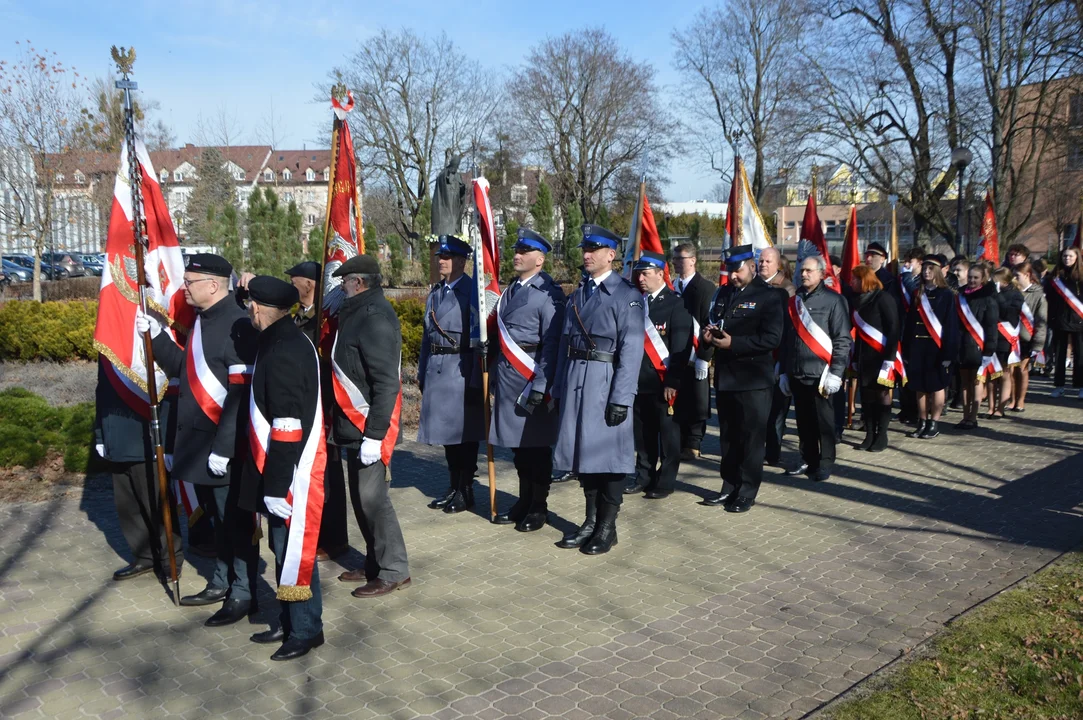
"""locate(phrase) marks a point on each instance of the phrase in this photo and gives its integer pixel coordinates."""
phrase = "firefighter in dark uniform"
(284, 478)
(449, 376)
(657, 429)
(693, 406)
(600, 351)
(210, 444)
(334, 538)
(531, 312)
(745, 326)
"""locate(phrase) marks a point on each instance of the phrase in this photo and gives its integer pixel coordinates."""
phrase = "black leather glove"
(615, 414)
(535, 399)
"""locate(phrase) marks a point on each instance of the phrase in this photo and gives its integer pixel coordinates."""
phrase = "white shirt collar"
(524, 281)
(654, 295)
(601, 278)
(454, 282)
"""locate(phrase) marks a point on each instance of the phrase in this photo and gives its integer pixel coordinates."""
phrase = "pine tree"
(573, 222)
(315, 245)
(507, 253)
(228, 230)
(542, 210)
(212, 192)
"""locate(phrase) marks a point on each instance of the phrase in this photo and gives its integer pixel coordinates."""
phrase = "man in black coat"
(210, 444)
(693, 406)
(366, 362)
(122, 439)
(745, 327)
(284, 478)
(876, 258)
(668, 344)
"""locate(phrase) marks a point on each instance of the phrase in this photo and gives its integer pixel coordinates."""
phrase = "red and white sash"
(1069, 297)
(305, 495)
(186, 493)
(655, 347)
(517, 357)
(1011, 334)
(932, 322)
(356, 408)
(695, 342)
(811, 334)
(869, 334)
(907, 297)
(899, 367)
(889, 369)
(991, 368)
(207, 391)
(970, 322)
(1027, 319)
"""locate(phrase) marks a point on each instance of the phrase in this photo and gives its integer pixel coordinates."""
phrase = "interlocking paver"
(696, 613)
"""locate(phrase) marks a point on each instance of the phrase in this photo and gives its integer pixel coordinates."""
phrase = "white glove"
(832, 384)
(784, 384)
(217, 465)
(145, 323)
(100, 449)
(278, 507)
(701, 369)
(169, 462)
(371, 450)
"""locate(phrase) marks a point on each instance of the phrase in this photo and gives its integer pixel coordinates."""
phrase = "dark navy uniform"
(693, 406)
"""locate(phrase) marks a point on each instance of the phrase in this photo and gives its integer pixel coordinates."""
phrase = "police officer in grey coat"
(531, 313)
(449, 376)
(598, 372)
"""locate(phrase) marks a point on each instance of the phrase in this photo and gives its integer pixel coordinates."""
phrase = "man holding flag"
(530, 317)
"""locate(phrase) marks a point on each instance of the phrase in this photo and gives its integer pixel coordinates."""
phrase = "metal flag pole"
(124, 59)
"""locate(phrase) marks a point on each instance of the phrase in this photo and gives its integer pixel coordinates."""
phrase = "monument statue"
(448, 198)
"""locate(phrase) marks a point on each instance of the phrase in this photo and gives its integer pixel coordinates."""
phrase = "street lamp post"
(960, 158)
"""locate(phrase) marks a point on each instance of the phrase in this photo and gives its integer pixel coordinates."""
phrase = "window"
(311, 218)
(327, 174)
(790, 224)
(518, 194)
(313, 158)
(1075, 110)
(1075, 157)
(802, 195)
(239, 175)
(163, 175)
(310, 175)
(60, 177)
(288, 197)
(178, 176)
(281, 158)
(286, 175)
(79, 178)
(268, 175)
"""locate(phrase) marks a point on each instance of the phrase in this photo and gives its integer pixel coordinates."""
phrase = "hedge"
(64, 330)
(32, 429)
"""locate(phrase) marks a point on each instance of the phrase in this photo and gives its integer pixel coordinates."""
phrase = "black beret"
(272, 292)
(359, 264)
(307, 269)
(208, 264)
(876, 249)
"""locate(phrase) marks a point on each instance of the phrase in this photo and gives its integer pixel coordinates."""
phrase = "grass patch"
(1018, 656)
(31, 430)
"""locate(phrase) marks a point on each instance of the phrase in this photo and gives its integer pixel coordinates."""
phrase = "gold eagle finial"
(124, 58)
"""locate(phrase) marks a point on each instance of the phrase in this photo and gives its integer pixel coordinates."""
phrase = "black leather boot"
(883, 420)
(932, 429)
(521, 507)
(871, 413)
(605, 534)
(539, 507)
(584, 531)
(919, 429)
(441, 502)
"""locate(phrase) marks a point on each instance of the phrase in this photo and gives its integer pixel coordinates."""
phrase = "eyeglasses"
(190, 283)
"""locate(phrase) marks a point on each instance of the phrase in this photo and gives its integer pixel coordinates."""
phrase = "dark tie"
(591, 287)
(650, 300)
(680, 287)
(512, 290)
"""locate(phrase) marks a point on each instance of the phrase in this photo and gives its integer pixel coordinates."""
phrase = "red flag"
(850, 255)
(989, 247)
(812, 231)
(649, 239)
(489, 273)
(727, 242)
(115, 336)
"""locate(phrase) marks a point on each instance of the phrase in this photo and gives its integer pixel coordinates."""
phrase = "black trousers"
(385, 548)
(333, 533)
(235, 567)
(139, 512)
(534, 464)
(776, 424)
(693, 408)
(657, 437)
(815, 424)
(742, 434)
(609, 486)
(462, 463)
(1063, 338)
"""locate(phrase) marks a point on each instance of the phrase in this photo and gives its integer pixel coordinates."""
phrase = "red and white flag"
(487, 261)
(989, 247)
(851, 257)
(813, 232)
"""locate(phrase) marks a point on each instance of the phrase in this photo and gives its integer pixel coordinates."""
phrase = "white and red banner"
(869, 334)
(811, 334)
(305, 495)
(970, 321)
(186, 492)
(487, 261)
(356, 407)
(1068, 296)
(115, 337)
(932, 322)
(907, 296)
(744, 225)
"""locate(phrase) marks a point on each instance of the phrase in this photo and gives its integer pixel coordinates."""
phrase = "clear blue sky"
(195, 56)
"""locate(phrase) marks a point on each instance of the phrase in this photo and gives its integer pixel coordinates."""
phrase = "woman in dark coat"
(876, 324)
(929, 355)
(977, 343)
(1009, 308)
(1064, 289)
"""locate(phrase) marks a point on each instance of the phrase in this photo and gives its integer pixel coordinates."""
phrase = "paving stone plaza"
(697, 613)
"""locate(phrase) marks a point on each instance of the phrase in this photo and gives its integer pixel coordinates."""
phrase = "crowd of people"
(610, 384)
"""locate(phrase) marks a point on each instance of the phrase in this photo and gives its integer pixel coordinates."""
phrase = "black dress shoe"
(740, 505)
(720, 499)
(504, 519)
(209, 596)
(532, 522)
(634, 489)
(459, 502)
(134, 570)
(294, 648)
(658, 494)
(565, 477)
(441, 503)
(232, 611)
(821, 475)
(269, 637)
(801, 469)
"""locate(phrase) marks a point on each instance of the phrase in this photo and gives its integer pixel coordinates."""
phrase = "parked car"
(17, 272)
(27, 261)
(92, 264)
(70, 263)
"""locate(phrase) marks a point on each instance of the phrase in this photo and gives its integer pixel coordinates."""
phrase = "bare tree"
(742, 71)
(271, 129)
(587, 109)
(39, 110)
(415, 98)
(159, 136)
(221, 129)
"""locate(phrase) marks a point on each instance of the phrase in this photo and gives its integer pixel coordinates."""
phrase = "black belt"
(445, 349)
(595, 355)
(529, 347)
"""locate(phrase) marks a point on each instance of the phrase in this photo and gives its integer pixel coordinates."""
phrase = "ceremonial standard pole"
(124, 59)
(483, 347)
